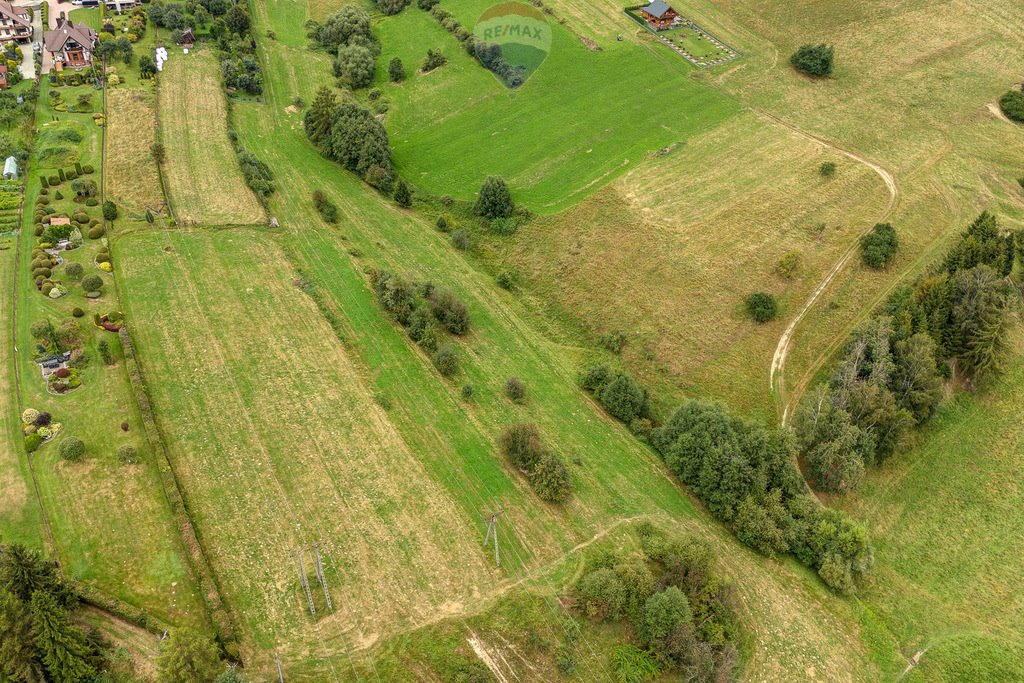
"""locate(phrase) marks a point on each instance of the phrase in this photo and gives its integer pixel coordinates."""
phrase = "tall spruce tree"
(403, 197)
(17, 642)
(188, 657)
(62, 647)
(320, 115)
(494, 201)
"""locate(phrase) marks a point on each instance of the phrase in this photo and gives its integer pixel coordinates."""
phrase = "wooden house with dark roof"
(659, 15)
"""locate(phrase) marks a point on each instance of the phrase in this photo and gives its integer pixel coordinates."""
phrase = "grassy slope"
(946, 517)
(111, 523)
(616, 480)
(19, 513)
(202, 173)
(454, 126)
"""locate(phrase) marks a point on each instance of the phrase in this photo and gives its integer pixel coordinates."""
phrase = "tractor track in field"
(777, 372)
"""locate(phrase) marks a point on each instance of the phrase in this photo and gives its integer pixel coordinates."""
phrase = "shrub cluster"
(350, 135)
(682, 614)
(433, 60)
(878, 247)
(546, 471)
(494, 200)
(618, 392)
(761, 307)
(489, 55)
(813, 60)
(327, 209)
(424, 311)
(1012, 104)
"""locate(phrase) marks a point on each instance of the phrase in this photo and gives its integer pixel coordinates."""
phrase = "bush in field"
(105, 354)
(354, 66)
(813, 60)
(550, 479)
(600, 595)
(127, 454)
(667, 625)
(349, 25)
(109, 210)
(878, 247)
(433, 60)
(1012, 104)
(390, 7)
(460, 240)
(92, 283)
(449, 311)
(761, 307)
(403, 197)
(446, 361)
(623, 398)
(515, 389)
(827, 169)
(72, 448)
(789, 265)
(494, 200)
(96, 232)
(396, 70)
(77, 312)
(522, 446)
(327, 209)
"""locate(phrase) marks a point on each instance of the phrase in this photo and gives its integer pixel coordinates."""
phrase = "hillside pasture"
(202, 173)
(946, 516)
(132, 179)
(452, 127)
(279, 444)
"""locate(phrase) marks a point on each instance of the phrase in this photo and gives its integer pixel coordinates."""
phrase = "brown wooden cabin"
(659, 15)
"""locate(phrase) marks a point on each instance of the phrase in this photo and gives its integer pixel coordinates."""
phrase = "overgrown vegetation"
(890, 378)
(350, 135)
(878, 247)
(681, 612)
(1012, 104)
(544, 469)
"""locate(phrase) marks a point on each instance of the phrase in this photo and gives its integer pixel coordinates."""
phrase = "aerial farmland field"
(346, 345)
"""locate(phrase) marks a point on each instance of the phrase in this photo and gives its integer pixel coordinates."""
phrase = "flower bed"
(38, 429)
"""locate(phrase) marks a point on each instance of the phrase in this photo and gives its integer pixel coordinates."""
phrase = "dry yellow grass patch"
(279, 444)
(132, 180)
(204, 179)
(668, 252)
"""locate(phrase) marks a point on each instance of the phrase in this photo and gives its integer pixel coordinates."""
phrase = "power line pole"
(492, 530)
(303, 581)
(320, 576)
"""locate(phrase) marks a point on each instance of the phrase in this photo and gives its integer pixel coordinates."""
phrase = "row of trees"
(682, 614)
(489, 55)
(891, 376)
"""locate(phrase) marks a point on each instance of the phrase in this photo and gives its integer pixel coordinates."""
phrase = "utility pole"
(492, 530)
(321, 577)
(303, 581)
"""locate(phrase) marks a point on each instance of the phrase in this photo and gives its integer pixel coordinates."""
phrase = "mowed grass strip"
(278, 444)
(20, 520)
(132, 180)
(204, 178)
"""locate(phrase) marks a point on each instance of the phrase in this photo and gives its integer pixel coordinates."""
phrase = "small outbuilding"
(188, 39)
(11, 169)
(659, 15)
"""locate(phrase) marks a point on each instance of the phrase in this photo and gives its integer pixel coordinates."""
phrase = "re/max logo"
(511, 30)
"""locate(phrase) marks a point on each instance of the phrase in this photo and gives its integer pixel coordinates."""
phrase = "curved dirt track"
(782, 348)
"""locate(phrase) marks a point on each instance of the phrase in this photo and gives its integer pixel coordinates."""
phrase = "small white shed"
(11, 169)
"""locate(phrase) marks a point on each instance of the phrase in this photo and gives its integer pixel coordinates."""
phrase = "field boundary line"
(210, 589)
(785, 341)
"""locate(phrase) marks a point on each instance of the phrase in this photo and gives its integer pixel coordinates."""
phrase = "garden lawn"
(202, 173)
(133, 182)
(111, 523)
(581, 120)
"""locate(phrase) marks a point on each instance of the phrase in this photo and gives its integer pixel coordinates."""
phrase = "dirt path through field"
(785, 341)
